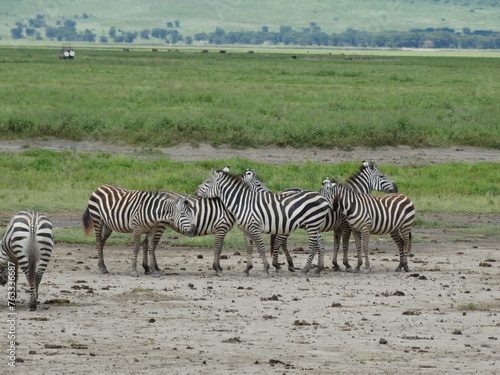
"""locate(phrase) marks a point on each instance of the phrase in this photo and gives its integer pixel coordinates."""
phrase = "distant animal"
(27, 243)
(154, 50)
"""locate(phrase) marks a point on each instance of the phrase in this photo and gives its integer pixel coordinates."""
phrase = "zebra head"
(253, 182)
(325, 186)
(369, 178)
(184, 217)
(210, 188)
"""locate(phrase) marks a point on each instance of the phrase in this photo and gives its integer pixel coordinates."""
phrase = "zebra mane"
(363, 167)
(237, 178)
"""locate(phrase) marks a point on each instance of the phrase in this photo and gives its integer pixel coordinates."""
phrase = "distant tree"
(189, 40)
(285, 29)
(170, 24)
(265, 29)
(177, 24)
(159, 33)
(85, 15)
(466, 31)
(30, 31)
(112, 32)
(17, 32)
(219, 32)
(144, 34)
(103, 39)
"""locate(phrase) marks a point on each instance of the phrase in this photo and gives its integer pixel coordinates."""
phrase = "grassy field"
(61, 182)
(196, 16)
(250, 100)
(244, 100)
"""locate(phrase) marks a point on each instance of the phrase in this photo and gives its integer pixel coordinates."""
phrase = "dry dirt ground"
(443, 316)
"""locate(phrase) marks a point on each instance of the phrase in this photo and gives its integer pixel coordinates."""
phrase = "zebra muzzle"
(192, 232)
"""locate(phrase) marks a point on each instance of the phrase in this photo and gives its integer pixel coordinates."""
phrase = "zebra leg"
(319, 247)
(346, 235)
(289, 260)
(154, 238)
(137, 247)
(276, 243)
(365, 235)
(219, 241)
(315, 246)
(249, 251)
(336, 247)
(357, 240)
(257, 237)
(403, 244)
(102, 233)
(145, 246)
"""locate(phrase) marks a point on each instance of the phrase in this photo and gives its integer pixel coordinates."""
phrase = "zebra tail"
(32, 259)
(409, 247)
(87, 222)
(273, 239)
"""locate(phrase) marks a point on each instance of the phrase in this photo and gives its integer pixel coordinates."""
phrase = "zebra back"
(275, 213)
(380, 214)
(28, 242)
(124, 210)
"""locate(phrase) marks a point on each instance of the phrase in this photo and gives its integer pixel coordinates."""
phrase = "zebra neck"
(358, 183)
(234, 198)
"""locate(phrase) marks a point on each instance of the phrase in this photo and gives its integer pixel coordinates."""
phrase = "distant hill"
(190, 17)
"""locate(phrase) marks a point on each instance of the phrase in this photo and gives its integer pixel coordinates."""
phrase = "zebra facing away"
(265, 212)
(114, 208)
(367, 214)
(27, 243)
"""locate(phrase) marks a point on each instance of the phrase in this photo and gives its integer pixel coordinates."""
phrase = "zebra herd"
(222, 201)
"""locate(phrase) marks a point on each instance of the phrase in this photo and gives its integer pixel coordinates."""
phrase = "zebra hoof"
(301, 275)
(102, 270)
(264, 275)
(156, 274)
(33, 308)
(135, 274)
(350, 269)
(365, 270)
(291, 269)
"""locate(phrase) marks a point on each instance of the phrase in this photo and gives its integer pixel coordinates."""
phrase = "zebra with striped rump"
(383, 214)
(265, 212)
(27, 243)
(211, 217)
(366, 179)
(114, 208)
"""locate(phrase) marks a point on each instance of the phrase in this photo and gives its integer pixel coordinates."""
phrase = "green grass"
(249, 100)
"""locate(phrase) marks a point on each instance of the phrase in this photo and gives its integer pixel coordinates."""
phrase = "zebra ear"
(373, 165)
(226, 169)
(214, 172)
(364, 164)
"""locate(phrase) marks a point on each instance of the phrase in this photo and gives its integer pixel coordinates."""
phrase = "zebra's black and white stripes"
(113, 208)
(367, 214)
(265, 212)
(27, 243)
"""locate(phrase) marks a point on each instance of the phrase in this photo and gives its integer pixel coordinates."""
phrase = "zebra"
(366, 179)
(27, 242)
(114, 208)
(265, 212)
(366, 214)
(211, 217)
